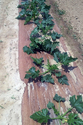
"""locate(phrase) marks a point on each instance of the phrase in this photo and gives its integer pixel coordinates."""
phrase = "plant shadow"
(24, 0)
(37, 80)
(48, 123)
(39, 64)
(68, 69)
(23, 18)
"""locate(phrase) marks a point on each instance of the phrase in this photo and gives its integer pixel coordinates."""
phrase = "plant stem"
(59, 106)
(59, 112)
(60, 122)
(48, 70)
(55, 118)
(44, 72)
(67, 111)
(58, 64)
(59, 117)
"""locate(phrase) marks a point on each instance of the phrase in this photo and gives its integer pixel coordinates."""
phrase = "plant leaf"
(19, 6)
(27, 50)
(22, 12)
(55, 35)
(74, 119)
(50, 105)
(47, 7)
(55, 111)
(25, 2)
(54, 45)
(44, 28)
(50, 46)
(77, 103)
(32, 73)
(38, 62)
(58, 98)
(52, 68)
(47, 45)
(41, 116)
(58, 74)
(27, 20)
(63, 80)
(36, 21)
(56, 57)
(47, 78)
(65, 59)
(35, 31)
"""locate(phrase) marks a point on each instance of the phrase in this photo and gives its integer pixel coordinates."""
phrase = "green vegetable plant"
(43, 38)
(69, 117)
(47, 75)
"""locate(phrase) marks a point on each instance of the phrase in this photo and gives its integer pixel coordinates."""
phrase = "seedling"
(1, 107)
(8, 89)
(13, 97)
(1, 41)
(69, 117)
(61, 12)
(75, 37)
(56, 6)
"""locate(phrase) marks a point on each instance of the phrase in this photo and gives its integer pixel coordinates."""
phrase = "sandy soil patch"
(74, 12)
(70, 25)
(11, 87)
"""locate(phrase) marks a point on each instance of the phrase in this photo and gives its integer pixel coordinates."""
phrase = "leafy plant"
(1, 107)
(47, 78)
(32, 73)
(77, 103)
(51, 68)
(32, 9)
(63, 80)
(47, 75)
(55, 35)
(58, 98)
(67, 117)
(1, 41)
(41, 116)
(27, 50)
(75, 120)
(61, 12)
(65, 59)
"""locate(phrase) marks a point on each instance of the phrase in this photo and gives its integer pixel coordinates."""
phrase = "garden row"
(44, 39)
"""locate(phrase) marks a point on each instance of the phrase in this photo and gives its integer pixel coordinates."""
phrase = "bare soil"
(70, 25)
